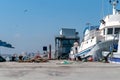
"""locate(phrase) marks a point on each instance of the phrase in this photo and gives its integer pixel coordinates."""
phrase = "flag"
(5, 44)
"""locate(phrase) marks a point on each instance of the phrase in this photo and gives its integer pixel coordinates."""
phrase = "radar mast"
(114, 4)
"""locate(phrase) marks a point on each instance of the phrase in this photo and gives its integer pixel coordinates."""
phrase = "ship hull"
(96, 50)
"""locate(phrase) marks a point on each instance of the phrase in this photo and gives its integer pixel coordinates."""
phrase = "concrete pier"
(54, 70)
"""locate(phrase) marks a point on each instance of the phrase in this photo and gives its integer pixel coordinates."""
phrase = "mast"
(114, 4)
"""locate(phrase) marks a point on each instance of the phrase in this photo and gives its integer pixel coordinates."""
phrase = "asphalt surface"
(56, 70)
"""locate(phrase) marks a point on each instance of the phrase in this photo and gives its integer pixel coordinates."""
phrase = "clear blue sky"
(30, 24)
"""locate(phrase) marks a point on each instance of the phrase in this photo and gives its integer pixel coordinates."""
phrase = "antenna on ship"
(114, 4)
(88, 25)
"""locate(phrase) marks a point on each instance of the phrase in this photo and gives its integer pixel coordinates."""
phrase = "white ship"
(99, 39)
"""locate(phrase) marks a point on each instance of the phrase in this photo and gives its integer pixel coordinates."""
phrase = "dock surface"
(55, 70)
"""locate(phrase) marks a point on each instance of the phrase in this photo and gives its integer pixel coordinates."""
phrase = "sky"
(31, 24)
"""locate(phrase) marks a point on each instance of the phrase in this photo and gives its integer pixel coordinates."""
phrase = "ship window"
(104, 32)
(110, 31)
(117, 30)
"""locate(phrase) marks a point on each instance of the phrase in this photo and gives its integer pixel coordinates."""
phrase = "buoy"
(90, 59)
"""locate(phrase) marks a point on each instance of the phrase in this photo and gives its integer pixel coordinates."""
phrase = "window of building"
(110, 31)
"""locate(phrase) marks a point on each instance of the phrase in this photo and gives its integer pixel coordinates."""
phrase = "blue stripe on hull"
(84, 52)
(114, 59)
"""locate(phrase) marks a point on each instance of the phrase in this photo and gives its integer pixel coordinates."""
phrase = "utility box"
(44, 48)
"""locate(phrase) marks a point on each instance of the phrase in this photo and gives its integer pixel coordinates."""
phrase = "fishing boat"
(115, 56)
(99, 39)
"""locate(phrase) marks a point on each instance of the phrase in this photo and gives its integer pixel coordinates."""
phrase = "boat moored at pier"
(103, 38)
